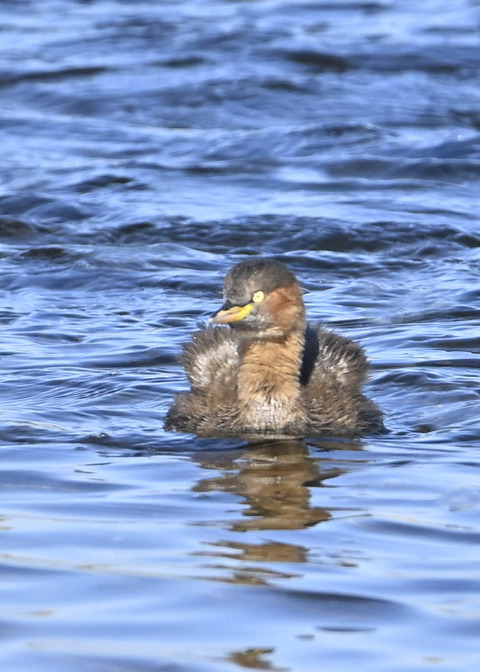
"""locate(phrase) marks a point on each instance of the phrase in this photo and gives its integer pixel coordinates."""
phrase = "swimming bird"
(267, 372)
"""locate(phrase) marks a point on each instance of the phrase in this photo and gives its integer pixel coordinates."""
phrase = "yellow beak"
(234, 314)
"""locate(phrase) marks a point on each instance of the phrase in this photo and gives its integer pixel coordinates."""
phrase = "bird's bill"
(234, 314)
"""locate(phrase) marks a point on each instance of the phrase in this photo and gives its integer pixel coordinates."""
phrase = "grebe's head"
(262, 297)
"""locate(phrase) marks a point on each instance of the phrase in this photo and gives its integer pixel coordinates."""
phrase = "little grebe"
(271, 373)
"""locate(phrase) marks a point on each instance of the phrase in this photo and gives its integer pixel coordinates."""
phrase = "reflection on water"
(274, 479)
(254, 659)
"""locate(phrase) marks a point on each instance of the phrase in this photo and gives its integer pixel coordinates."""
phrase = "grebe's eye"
(258, 296)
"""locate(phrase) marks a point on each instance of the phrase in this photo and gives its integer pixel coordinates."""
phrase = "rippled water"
(146, 148)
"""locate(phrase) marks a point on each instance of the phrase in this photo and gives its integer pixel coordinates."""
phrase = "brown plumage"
(271, 373)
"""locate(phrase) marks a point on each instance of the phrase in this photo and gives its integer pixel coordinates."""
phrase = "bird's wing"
(340, 358)
(211, 359)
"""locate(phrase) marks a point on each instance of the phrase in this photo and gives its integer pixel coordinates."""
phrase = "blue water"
(146, 148)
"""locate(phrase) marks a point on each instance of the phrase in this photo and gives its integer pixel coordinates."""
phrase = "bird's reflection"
(253, 659)
(275, 479)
